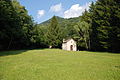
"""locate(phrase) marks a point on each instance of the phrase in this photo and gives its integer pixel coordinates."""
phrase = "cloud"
(76, 10)
(40, 13)
(56, 8)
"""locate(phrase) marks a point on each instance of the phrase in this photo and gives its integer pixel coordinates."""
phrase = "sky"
(42, 10)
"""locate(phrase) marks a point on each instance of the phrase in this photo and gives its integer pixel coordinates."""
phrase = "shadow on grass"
(38, 48)
(105, 52)
(14, 52)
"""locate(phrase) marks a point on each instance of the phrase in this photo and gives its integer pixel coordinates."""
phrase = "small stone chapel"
(69, 45)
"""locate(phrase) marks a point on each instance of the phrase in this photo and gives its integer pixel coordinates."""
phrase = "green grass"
(55, 64)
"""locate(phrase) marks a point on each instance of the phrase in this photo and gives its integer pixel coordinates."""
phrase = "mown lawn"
(55, 64)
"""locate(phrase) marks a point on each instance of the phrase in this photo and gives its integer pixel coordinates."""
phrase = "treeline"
(103, 19)
(97, 29)
(105, 25)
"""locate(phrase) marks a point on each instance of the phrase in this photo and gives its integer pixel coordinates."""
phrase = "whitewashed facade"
(69, 45)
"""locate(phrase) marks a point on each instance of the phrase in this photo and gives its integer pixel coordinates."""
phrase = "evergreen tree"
(105, 25)
(53, 35)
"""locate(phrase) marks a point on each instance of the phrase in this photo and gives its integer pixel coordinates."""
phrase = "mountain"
(62, 21)
(48, 21)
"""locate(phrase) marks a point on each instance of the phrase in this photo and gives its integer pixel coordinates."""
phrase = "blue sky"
(42, 10)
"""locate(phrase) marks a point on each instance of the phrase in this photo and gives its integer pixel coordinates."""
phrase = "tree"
(53, 35)
(16, 25)
(7, 20)
(38, 37)
(105, 25)
(83, 30)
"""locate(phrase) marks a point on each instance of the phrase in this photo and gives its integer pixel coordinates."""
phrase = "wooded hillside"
(97, 29)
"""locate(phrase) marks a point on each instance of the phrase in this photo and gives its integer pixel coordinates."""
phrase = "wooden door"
(71, 47)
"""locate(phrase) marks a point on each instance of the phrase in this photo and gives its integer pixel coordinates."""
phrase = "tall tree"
(7, 20)
(53, 34)
(38, 38)
(105, 25)
(16, 25)
(83, 30)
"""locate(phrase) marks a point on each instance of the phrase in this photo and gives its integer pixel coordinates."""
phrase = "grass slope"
(55, 64)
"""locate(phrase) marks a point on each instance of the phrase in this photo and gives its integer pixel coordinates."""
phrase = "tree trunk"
(86, 44)
(9, 43)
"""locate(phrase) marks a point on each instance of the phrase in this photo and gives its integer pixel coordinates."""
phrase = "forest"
(98, 29)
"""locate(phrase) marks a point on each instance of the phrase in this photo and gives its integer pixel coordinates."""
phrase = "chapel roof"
(66, 40)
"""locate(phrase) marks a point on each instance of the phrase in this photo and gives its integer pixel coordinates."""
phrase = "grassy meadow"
(56, 64)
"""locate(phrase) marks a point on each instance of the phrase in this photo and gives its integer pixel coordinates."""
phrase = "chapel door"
(71, 47)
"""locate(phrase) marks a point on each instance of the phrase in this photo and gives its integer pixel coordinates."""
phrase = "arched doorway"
(71, 47)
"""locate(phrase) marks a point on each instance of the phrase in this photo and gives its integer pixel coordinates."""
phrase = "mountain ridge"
(62, 20)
